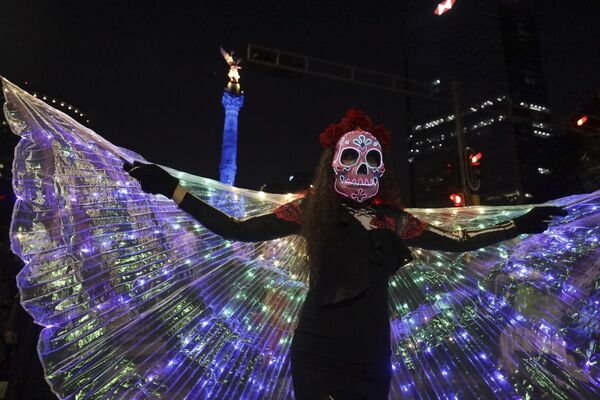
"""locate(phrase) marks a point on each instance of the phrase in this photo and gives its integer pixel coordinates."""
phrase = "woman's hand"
(537, 219)
(152, 178)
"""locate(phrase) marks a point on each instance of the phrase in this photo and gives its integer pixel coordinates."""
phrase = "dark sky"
(150, 75)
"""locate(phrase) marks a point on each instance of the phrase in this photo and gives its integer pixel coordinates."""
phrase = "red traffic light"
(581, 120)
(458, 199)
(449, 168)
(585, 123)
(475, 158)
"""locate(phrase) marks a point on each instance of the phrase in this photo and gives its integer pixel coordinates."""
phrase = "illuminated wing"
(138, 300)
(516, 320)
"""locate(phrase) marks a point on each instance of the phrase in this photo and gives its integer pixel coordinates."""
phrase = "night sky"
(150, 76)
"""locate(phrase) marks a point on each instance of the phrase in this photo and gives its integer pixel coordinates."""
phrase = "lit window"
(543, 171)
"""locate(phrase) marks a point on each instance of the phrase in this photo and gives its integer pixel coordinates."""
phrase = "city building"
(490, 47)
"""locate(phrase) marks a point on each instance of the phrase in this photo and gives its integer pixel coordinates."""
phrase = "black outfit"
(341, 346)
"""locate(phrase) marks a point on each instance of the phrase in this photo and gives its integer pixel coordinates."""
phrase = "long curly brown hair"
(322, 205)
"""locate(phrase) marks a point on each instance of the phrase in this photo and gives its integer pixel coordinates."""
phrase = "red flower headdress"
(353, 120)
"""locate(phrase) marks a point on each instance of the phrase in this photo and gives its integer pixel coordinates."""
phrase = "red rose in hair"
(356, 119)
(331, 135)
(383, 135)
(353, 120)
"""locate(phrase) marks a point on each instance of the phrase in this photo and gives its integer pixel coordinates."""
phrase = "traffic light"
(585, 123)
(475, 158)
(473, 165)
(458, 199)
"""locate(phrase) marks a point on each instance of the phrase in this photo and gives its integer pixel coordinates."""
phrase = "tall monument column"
(233, 100)
(228, 166)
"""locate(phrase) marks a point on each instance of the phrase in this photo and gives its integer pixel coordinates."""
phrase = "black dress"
(341, 346)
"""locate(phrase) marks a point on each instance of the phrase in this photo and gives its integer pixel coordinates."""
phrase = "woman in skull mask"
(357, 236)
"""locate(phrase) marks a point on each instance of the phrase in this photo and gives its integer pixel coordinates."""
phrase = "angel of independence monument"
(233, 100)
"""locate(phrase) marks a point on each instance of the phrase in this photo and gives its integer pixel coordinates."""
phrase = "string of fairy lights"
(67, 108)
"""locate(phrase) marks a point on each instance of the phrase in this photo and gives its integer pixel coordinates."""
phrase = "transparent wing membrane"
(140, 301)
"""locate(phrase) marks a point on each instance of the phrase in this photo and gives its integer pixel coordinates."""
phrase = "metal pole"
(352, 72)
(460, 142)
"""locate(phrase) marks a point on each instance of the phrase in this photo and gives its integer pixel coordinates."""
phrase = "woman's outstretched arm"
(417, 233)
(283, 221)
(427, 236)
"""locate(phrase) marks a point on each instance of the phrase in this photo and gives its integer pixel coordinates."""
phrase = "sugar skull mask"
(358, 165)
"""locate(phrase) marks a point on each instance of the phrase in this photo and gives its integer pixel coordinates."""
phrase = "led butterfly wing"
(514, 320)
(138, 300)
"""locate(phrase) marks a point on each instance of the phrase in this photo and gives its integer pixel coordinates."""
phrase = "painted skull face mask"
(358, 165)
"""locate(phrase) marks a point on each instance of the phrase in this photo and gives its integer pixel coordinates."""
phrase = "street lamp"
(444, 7)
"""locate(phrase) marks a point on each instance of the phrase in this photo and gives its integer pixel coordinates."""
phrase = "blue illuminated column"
(232, 103)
